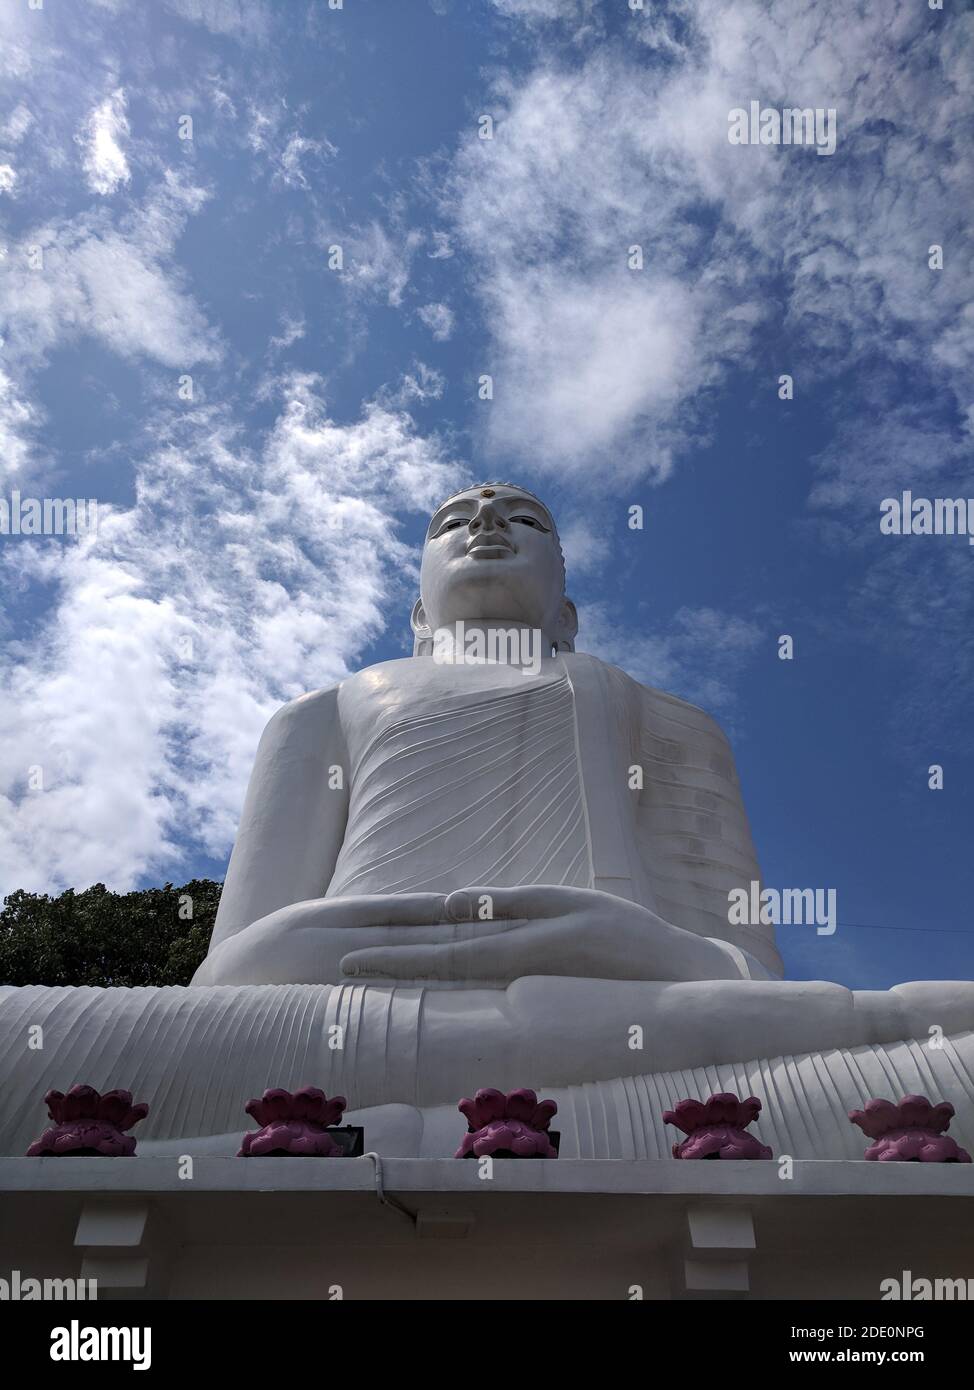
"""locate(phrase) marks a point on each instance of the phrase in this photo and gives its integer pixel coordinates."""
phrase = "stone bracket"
(719, 1239)
(122, 1248)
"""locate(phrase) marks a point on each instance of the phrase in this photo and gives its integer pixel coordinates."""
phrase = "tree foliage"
(154, 936)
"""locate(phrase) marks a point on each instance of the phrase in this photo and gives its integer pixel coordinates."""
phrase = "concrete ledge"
(575, 1229)
(811, 1177)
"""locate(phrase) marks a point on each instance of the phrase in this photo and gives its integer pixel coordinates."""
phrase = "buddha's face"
(492, 553)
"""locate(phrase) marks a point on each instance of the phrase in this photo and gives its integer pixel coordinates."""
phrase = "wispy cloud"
(16, 125)
(442, 248)
(17, 419)
(596, 152)
(377, 261)
(584, 548)
(698, 656)
(241, 19)
(112, 281)
(292, 331)
(299, 149)
(438, 318)
(107, 127)
(593, 358)
(545, 11)
(418, 386)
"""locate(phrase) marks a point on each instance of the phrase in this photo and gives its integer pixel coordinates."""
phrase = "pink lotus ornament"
(507, 1126)
(716, 1128)
(911, 1132)
(294, 1125)
(87, 1123)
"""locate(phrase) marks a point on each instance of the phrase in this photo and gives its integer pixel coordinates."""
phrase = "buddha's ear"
(567, 628)
(422, 632)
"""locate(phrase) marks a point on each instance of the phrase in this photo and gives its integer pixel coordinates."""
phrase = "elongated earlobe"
(567, 628)
(422, 633)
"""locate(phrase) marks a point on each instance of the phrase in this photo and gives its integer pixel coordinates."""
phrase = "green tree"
(155, 936)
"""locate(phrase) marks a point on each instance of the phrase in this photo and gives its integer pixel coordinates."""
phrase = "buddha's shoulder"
(301, 715)
(661, 711)
(325, 703)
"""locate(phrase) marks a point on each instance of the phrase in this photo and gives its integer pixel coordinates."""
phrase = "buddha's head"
(492, 554)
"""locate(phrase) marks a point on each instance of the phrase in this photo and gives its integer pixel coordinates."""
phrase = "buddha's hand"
(304, 942)
(502, 934)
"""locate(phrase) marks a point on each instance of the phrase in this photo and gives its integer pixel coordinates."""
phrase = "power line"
(878, 926)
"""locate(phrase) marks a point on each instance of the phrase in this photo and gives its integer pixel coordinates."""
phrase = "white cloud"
(240, 19)
(655, 28)
(113, 282)
(298, 148)
(222, 100)
(18, 37)
(105, 164)
(8, 177)
(584, 549)
(534, 11)
(17, 417)
(16, 126)
(592, 360)
(596, 365)
(263, 125)
(377, 264)
(292, 330)
(442, 249)
(235, 582)
(438, 318)
(285, 155)
(591, 156)
(422, 384)
(900, 450)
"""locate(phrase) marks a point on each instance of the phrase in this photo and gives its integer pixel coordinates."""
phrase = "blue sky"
(261, 539)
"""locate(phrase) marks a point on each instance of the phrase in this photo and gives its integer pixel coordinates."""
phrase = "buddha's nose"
(487, 519)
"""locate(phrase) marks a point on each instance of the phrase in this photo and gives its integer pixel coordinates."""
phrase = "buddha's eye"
(452, 524)
(530, 521)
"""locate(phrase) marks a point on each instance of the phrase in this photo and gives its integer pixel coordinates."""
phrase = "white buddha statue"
(431, 776)
(497, 862)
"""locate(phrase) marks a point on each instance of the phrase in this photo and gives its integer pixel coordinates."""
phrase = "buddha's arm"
(294, 815)
(691, 826)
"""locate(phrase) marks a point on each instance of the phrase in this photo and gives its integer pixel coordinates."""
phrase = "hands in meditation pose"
(438, 938)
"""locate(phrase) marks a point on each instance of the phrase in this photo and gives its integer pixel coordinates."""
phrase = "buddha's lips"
(489, 549)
